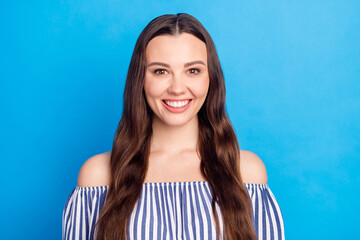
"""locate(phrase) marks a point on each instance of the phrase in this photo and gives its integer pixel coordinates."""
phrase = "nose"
(177, 85)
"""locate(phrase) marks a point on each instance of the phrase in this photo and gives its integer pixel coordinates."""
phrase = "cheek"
(200, 88)
(152, 89)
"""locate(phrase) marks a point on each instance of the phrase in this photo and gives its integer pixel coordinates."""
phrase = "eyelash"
(157, 70)
(196, 69)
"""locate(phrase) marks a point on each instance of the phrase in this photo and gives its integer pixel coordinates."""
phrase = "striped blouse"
(170, 210)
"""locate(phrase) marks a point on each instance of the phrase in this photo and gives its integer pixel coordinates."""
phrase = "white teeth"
(177, 104)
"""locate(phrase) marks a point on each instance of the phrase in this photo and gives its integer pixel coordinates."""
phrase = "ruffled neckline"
(167, 184)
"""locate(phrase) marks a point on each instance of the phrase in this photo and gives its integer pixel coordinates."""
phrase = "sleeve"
(81, 212)
(267, 217)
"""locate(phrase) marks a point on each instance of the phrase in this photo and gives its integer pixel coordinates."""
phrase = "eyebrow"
(185, 65)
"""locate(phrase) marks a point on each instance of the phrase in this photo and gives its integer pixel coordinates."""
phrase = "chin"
(176, 123)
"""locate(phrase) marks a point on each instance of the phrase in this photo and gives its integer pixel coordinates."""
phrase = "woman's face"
(176, 78)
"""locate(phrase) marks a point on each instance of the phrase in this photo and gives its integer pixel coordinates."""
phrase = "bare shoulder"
(252, 168)
(95, 171)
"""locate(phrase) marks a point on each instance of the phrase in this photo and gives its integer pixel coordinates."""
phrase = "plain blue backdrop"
(292, 71)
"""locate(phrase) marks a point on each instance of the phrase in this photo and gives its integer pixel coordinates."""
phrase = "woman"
(174, 171)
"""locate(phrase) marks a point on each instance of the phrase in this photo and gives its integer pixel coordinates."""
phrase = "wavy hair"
(217, 143)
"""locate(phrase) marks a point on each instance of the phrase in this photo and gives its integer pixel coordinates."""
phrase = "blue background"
(292, 72)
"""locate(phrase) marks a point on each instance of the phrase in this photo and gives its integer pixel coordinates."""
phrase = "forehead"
(184, 47)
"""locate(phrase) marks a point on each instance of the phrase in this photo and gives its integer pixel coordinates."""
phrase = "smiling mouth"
(177, 104)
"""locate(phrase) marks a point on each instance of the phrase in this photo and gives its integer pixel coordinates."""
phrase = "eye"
(160, 71)
(194, 71)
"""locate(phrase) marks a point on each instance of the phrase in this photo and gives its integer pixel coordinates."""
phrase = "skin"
(173, 156)
(176, 69)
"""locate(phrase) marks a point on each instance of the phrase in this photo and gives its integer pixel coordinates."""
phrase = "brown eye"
(194, 71)
(160, 71)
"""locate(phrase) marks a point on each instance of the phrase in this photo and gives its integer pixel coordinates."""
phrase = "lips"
(173, 99)
(176, 106)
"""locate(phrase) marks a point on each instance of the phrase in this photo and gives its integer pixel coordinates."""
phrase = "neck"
(174, 138)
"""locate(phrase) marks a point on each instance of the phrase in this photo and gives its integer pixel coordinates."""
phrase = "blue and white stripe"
(170, 210)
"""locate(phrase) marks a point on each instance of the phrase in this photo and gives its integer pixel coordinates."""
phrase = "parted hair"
(217, 143)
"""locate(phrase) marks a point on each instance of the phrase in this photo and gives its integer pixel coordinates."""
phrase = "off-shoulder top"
(170, 210)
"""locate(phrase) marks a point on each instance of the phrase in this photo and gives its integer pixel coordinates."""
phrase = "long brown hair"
(217, 143)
